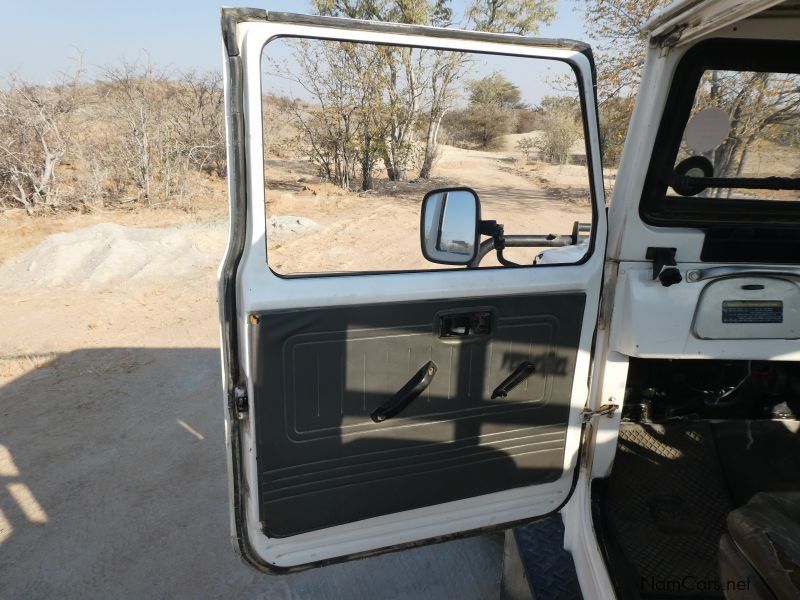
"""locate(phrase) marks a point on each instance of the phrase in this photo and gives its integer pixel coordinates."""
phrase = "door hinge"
(241, 405)
(605, 410)
(669, 38)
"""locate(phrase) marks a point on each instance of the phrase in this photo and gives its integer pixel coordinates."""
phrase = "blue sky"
(41, 37)
(534, 78)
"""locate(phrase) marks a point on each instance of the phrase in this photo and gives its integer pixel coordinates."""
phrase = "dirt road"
(379, 230)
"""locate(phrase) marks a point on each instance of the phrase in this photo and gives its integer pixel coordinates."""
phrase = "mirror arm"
(550, 240)
(484, 249)
(502, 259)
(499, 241)
(492, 229)
(496, 242)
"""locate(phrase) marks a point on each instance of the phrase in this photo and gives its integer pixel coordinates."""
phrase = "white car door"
(332, 452)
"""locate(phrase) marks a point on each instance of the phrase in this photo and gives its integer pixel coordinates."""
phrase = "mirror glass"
(450, 226)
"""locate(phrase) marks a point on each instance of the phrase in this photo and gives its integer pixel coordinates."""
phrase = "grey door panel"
(319, 373)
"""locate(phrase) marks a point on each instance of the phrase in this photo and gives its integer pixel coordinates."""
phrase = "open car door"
(375, 409)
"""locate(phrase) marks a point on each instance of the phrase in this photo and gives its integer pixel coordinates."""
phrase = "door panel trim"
(319, 373)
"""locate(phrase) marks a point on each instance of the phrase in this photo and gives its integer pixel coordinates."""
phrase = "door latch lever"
(665, 269)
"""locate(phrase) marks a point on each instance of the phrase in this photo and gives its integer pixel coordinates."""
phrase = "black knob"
(669, 276)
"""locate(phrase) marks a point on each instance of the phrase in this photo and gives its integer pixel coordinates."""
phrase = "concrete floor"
(112, 485)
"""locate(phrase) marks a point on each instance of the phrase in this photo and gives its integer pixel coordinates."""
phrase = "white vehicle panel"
(259, 289)
(653, 321)
(630, 237)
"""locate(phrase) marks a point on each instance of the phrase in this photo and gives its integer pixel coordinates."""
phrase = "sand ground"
(112, 466)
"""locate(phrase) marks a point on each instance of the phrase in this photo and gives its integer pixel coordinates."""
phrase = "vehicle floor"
(664, 507)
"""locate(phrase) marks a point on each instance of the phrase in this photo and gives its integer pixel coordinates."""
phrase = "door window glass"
(356, 134)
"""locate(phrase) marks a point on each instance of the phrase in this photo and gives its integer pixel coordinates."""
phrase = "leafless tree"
(405, 90)
(201, 122)
(445, 70)
(34, 137)
(754, 101)
(144, 102)
(345, 128)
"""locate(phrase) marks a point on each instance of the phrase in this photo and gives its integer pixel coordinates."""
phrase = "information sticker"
(752, 311)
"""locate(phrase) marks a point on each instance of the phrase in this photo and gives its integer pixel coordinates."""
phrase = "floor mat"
(759, 456)
(549, 568)
(665, 508)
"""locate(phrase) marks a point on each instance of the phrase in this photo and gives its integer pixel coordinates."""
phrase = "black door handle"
(415, 386)
(520, 374)
(462, 325)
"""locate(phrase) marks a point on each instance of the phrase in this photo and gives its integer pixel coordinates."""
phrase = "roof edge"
(231, 17)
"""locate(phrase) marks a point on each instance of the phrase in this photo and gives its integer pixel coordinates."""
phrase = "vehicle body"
(351, 417)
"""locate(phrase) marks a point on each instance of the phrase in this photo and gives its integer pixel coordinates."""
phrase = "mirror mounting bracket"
(497, 232)
(491, 228)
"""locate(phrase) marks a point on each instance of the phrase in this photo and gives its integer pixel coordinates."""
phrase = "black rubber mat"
(759, 456)
(549, 568)
(665, 509)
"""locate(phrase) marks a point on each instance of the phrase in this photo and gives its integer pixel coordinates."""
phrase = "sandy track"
(386, 222)
(483, 172)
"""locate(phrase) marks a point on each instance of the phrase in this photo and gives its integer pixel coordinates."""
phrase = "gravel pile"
(109, 253)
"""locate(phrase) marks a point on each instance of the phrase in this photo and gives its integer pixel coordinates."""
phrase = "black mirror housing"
(450, 226)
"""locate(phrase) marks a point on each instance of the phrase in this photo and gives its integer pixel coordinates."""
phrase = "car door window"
(355, 135)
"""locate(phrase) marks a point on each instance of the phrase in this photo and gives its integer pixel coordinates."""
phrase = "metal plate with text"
(752, 311)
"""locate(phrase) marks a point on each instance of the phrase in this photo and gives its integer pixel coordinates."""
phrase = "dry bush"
(35, 128)
(528, 119)
(145, 106)
(135, 137)
(561, 128)
(344, 133)
(614, 116)
(201, 123)
(526, 146)
(281, 137)
(560, 131)
(494, 105)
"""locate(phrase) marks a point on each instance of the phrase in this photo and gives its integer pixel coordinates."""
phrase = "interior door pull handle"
(520, 374)
(415, 386)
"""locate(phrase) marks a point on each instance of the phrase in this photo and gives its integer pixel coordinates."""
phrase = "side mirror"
(450, 226)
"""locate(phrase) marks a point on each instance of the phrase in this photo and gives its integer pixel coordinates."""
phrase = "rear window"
(746, 124)
(728, 147)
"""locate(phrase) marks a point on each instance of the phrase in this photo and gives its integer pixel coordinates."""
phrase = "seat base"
(766, 533)
(739, 579)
